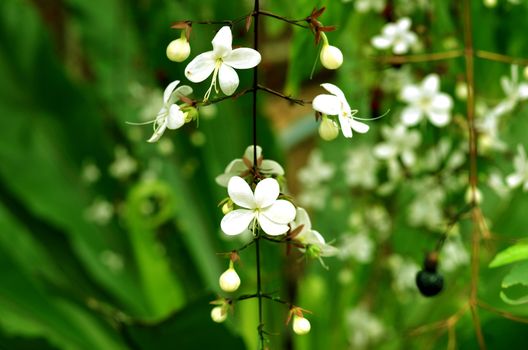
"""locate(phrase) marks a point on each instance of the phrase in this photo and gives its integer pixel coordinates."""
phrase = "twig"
(295, 22)
(497, 57)
(427, 57)
(297, 101)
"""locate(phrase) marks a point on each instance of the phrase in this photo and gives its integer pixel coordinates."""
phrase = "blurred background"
(109, 242)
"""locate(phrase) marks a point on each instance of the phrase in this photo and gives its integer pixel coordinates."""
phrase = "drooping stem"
(254, 113)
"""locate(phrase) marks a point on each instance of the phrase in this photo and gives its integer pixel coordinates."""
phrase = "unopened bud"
(229, 280)
(218, 314)
(475, 193)
(328, 129)
(178, 50)
(301, 325)
(461, 90)
(331, 57)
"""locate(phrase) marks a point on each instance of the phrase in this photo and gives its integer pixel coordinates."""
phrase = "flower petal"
(344, 122)
(514, 180)
(249, 154)
(302, 218)
(266, 192)
(228, 79)
(380, 42)
(184, 90)
(168, 90)
(411, 115)
(240, 192)
(237, 221)
(410, 94)
(176, 118)
(281, 212)
(404, 24)
(222, 42)
(439, 118)
(327, 104)
(158, 132)
(358, 126)
(385, 151)
(243, 58)
(442, 102)
(271, 167)
(431, 83)
(200, 67)
(334, 90)
(272, 228)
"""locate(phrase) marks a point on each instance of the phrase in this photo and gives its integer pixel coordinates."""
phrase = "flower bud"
(301, 325)
(227, 207)
(313, 251)
(218, 314)
(229, 280)
(328, 129)
(473, 193)
(331, 57)
(178, 50)
(461, 90)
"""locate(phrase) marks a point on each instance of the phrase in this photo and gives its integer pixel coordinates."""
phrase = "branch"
(292, 100)
(497, 57)
(295, 22)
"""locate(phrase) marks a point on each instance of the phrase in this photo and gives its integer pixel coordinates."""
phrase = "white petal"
(271, 167)
(439, 118)
(302, 218)
(223, 179)
(380, 42)
(346, 129)
(408, 158)
(334, 90)
(400, 47)
(243, 58)
(236, 166)
(281, 212)
(272, 228)
(431, 83)
(266, 192)
(327, 104)
(236, 221)
(184, 90)
(175, 118)
(385, 151)
(410, 93)
(442, 102)
(157, 134)
(240, 192)
(200, 67)
(404, 24)
(250, 152)
(523, 91)
(514, 180)
(228, 79)
(222, 42)
(358, 126)
(317, 237)
(411, 115)
(168, 90)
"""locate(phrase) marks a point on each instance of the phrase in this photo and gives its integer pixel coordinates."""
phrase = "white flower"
(314, 243)
(365, 329)
(453, 255)
(222, 62)
(514, 90)
(496, 183)
(403, 272)
(242, 166)
(336, 104)
(360, 168)
(272, 214)
(316, 170)
(398, 142)
(229, 280)
(170, 115)
(520, 175)
(360, 247)
(178, 50)
(123, 165)
(301, 325)
(426, 99)
(396, 35)
(364, 6)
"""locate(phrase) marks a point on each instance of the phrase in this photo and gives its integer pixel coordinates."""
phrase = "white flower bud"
(218, 314)
(328, 130)
(461, 90)
(469, 195)
(331, 57)
(229, 280)
(301, 325)
(178, 50)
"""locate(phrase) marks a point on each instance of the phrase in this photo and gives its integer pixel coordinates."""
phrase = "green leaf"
(517, 252)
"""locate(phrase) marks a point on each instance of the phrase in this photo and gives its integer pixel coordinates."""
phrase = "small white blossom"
(426, 100)
(170, 115)
(426, 209)
(399, 142)
(360, 168)
(112, 260)
(359, 247)
(336, 104)
(453, 255)
(514, 90)
(520, 176)
(100, 212)
(90, 173)
(365, 329)
(123, 165)
(364, 6)
(397, 36)
(316, 170)
(222, 62)
(496, 182)
(241, 166)
(403, 273)
(272, 214)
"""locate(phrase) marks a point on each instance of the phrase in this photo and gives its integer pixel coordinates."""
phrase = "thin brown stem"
(295, 22)
(297, 101)
(502, 313)
(497, 57)
(427, 57)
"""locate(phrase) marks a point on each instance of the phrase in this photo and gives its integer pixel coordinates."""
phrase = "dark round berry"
(429, 283)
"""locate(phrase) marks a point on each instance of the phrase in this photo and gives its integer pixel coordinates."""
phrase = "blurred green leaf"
(515, 253)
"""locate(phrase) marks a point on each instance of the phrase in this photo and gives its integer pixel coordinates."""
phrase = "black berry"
(429, 283)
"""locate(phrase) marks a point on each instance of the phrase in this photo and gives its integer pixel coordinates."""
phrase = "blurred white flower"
(359, 247)
(123, 165)
(496, 183)
(316, 170)
(426, 100)
(170, 115)
(365, 329)
(393, 80)
(336, 104)
(360, 168)
(403, 273)
(112, 260)
(364, 6)
(222, 62)
(378, 219)
(314, 197)
(100, 212)
(426, 209)
(514, 90)
(453, 254)
(399, 142)
(272, 214)
(520, 176)
(242, 166)
(90, 173)
(397, 36)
